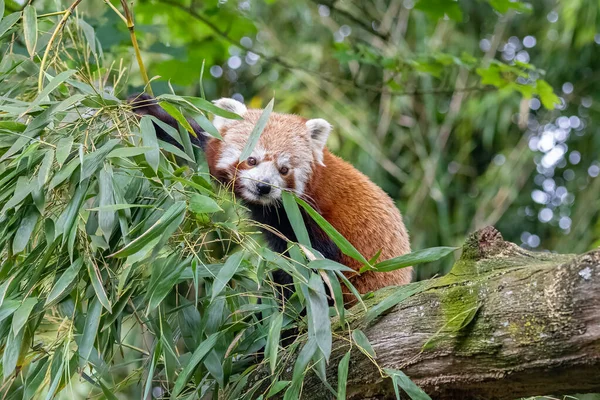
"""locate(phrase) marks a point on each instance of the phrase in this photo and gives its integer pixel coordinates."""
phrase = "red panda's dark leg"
(143, 104)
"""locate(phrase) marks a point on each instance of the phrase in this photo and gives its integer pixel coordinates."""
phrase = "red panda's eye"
(251, 161)
(284, 170)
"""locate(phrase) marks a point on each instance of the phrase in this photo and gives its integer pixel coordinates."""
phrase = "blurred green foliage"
(449, 106)
(121, 265)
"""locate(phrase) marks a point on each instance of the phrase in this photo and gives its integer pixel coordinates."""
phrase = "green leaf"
(63, 148)
(205, 347)
(271, 349)
(62, 286)
(45, 167)
(226, 273)
(344, 245)
(4, 289)
(149, 140)
(416, 257)
(125, 152)
(167, 278)
(153, 232)
(53, 84)
(64, 173)
(117, 207)
(106, 218)
(257, 131)
(1, 9)
(207, 126)
(437, 9)
(547, 97)
(30, 28)
(309, 349)
(207, 106)
(319, 324)
(92, 162)
(329, 265)
(22, 314)
(11, 352)
(343, 376)
(277, 387)
(96, 280)
(201, 204)
(400, 379)
(8, 308)
(25, 230)
(8, 22)
(295, 218)
(175, 113)
(363, 343)
(92, 322)
(89, 34)
(400, 294)
(22, 190)
(503, 6)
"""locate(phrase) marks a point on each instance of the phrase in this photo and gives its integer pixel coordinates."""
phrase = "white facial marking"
(266, 173)
(230, 105)
(319, 130)
(230, 155)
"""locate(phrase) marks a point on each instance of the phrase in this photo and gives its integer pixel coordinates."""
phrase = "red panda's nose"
(263, 188)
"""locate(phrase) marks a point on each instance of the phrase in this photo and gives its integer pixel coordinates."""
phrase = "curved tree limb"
(503, 324)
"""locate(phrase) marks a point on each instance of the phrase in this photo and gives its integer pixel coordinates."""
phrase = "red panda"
(291, 155)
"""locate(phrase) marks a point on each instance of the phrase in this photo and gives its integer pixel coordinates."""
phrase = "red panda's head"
(284, 158)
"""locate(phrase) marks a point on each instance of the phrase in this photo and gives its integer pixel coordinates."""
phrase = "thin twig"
(59, 28)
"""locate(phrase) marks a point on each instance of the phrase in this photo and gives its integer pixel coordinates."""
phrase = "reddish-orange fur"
(361, 211)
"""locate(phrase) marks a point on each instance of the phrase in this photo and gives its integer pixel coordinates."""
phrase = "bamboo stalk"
(136, 47)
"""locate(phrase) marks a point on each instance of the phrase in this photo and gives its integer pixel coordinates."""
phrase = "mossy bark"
(503, 324)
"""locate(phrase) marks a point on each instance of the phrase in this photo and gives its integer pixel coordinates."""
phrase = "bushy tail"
(144, 104)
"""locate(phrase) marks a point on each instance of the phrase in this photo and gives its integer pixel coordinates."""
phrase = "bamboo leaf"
(30, 28)
(8, 22)
(295, 218)
(401, 380)
(363, 343)
(201, 204)
(92, 322)
(11, 352)
(22, 314)
(226, 273)
(106, 217)
(126, 152)
(344, 245)
(96, 280)
(153, 232)
(62, 286)
(149, 140)
(318, 314)
(273, 341)
(25, 230)
(411, 259)
(343, 376)
(175, 113)
(209, 107)
(63, 148)
(257, 131)
(205, 347)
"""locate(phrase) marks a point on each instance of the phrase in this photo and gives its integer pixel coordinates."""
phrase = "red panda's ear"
(231, 105)
(319, 130)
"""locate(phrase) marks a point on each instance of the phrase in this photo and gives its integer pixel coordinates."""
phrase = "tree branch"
(504, 323)
(329, 78)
